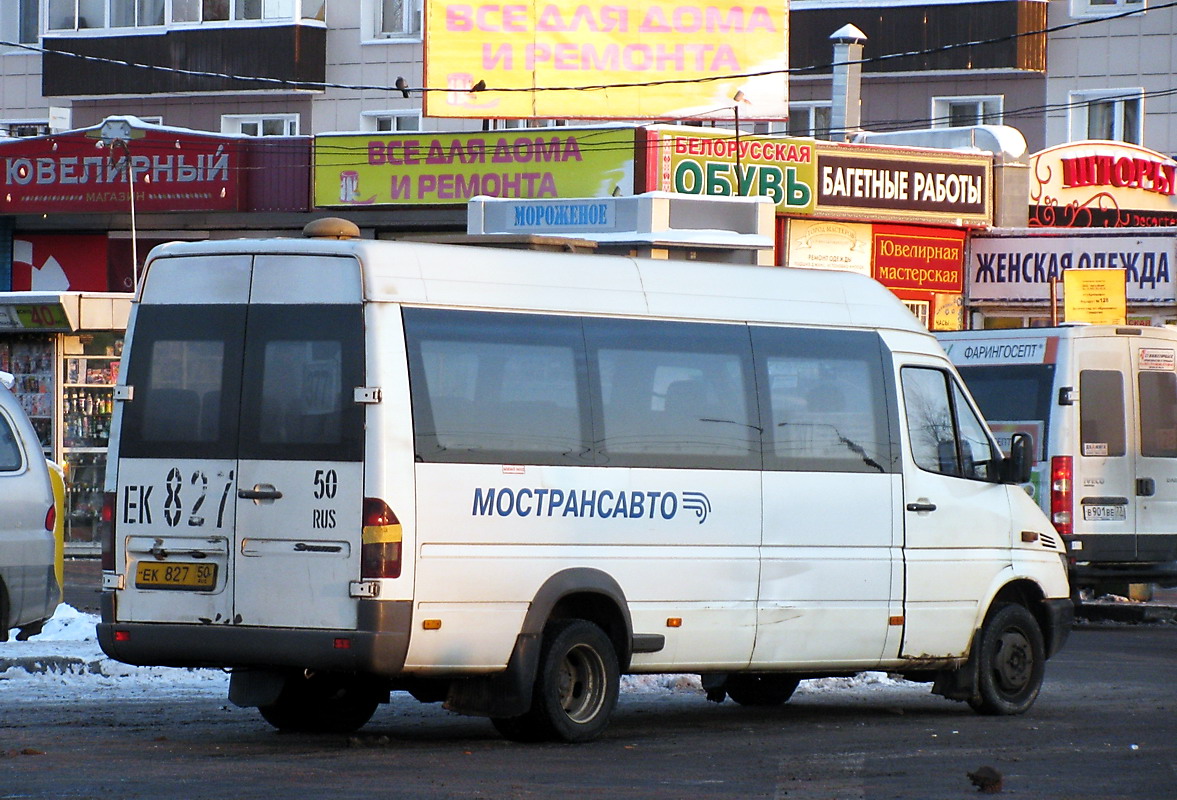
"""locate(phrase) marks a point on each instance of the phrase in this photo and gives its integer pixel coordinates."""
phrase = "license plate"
(1105, 513)
(183, 575)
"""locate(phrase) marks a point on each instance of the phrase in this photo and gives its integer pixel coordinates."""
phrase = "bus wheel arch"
(588, 594)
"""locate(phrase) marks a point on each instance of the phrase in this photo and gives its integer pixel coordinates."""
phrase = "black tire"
(1011, 662)
(3, 613)
(761, 690)
(321, 704)
(576, 687)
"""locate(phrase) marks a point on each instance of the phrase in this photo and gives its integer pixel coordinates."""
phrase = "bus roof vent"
(331, 228)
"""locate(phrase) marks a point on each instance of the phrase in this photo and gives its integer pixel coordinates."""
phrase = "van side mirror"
(1015, 468)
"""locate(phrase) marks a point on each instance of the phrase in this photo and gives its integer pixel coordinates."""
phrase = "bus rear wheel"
(761, 690)
(321, 704)
(576, 686)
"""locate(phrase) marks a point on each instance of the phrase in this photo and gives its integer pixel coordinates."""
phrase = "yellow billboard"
(606, 60)
(366, 169)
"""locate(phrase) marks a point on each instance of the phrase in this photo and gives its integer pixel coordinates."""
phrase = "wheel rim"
(1014, 661)
(582, 684)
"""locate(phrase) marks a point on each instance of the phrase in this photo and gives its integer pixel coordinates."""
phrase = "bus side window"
(946, 436)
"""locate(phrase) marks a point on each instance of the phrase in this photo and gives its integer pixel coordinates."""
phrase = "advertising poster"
(450, 168)
(1097, 296)
(830, 245)
(51, 262)
(566, 58)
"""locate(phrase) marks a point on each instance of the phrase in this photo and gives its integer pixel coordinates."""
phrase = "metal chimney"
(846, 93)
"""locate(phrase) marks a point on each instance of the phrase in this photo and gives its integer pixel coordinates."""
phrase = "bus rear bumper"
(377, 646)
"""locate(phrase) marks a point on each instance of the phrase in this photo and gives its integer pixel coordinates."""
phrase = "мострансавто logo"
(603, 503)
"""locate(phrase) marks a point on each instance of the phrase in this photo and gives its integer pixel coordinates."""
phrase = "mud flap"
(249, 688)
(504, 694)
(960, 684)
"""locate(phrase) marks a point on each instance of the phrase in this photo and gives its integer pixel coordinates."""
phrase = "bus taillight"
(106, 531)
(380, 551)
(1062, 503)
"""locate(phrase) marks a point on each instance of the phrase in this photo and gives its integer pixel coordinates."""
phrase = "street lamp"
(117, 132)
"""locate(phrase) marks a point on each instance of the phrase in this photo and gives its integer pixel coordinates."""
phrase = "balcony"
(293, 55)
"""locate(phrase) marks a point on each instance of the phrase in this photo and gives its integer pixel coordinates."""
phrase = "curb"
(57, 665)
(1137, 613)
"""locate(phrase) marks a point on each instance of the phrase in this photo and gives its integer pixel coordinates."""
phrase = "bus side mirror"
(1015, 468)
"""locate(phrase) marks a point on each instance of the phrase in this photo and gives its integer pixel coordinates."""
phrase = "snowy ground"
(65, 659)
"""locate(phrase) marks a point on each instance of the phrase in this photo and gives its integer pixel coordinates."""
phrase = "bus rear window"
(1014, 393)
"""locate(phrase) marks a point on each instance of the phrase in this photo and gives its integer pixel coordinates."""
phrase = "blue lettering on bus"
(603, 503)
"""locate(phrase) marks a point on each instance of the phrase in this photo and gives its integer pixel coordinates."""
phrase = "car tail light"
(106, 528)
(380, 551)
(51, 517)
(1062, 502)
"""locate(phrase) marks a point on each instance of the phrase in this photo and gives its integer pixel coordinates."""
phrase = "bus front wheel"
(1011, 662)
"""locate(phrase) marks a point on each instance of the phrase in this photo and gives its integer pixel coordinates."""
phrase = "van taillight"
(106, 531)
(380, 551)
(51, 517)
(1062, 503)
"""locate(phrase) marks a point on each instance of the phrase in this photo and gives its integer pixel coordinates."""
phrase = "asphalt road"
(1104, 728)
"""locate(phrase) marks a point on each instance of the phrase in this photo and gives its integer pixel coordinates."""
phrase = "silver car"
(29, 531)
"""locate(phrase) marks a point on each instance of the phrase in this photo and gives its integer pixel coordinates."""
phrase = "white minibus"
(501, 479)
(1100, 403)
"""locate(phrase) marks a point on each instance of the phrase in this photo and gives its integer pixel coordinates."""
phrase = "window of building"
(920, 309)
(809, 119)
(20, 20)
(24, 129)
(1115, 114)
(1095, 8)
(390, 121)
(392, 19)
(768, 128)
(515, 124)
(70, 15)
(962, 112)
(260, 124)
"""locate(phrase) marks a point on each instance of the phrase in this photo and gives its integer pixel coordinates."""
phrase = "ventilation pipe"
(845, 110)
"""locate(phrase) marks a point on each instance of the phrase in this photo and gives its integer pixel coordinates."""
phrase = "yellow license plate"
(175, 575)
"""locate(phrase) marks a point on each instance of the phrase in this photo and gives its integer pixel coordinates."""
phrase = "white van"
(1100, 403)
(30, 523)
(502, 478)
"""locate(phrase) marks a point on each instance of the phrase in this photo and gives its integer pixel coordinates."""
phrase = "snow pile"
(65, 658)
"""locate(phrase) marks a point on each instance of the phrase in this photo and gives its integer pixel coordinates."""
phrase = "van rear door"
(1156, 472)
(240, 484)
(1105, 464)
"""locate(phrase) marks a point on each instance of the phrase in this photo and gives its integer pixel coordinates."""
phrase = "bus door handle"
(921, 506)
(261, 491)
(1145, 487)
